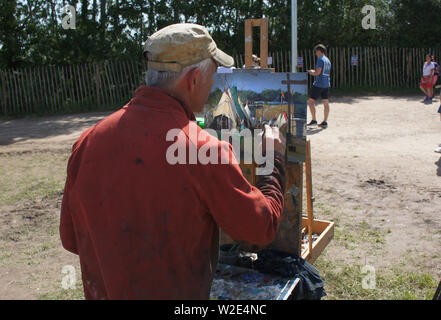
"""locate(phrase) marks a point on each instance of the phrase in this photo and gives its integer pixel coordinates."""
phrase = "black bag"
(311, 285)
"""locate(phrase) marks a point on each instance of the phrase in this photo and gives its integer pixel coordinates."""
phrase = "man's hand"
(274, 140)
(311, 72)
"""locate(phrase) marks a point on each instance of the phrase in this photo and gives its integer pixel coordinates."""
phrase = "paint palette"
(236, 283)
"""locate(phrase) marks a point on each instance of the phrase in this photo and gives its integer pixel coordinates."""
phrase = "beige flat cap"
(181, 45)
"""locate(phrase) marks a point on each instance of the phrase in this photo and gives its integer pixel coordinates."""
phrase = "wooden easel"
(309, 197)
(263, 25)
(325, 229)
(289, 235)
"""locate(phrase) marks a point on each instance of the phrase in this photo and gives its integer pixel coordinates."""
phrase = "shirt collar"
(166, 97)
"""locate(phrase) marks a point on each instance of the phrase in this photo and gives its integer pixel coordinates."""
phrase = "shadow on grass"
(350, 95)
(18, 130)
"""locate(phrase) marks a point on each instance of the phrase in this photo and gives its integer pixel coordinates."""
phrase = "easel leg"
(309, 201)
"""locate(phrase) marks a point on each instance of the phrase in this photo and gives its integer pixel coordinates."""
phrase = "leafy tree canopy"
(31, 31)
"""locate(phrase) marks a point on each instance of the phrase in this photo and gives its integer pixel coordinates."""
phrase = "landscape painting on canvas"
(254, 98)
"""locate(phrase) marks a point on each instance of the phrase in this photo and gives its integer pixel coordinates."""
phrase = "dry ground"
(374, 173)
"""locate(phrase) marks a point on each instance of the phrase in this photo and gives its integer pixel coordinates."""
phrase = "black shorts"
(317, 92)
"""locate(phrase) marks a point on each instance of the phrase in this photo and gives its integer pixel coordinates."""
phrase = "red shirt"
(146, 229)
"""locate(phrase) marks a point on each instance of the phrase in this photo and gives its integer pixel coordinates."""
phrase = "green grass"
(47, 188)
(345, 282)
(4, 257)
(350, 236)
(34, 176)
(62, 294)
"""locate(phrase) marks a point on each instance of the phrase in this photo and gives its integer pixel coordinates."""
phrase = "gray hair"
(167, 79)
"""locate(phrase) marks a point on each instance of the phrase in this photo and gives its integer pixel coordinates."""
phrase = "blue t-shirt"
(324, 79)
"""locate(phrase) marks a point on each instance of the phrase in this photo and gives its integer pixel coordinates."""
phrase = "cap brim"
(223, 59)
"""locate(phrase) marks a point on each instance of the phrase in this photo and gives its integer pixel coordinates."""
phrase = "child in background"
(426, 84)
(439, 111)
(435, 74)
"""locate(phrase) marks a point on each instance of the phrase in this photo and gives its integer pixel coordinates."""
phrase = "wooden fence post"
(98, 84)
(51, 88)
(4, 106)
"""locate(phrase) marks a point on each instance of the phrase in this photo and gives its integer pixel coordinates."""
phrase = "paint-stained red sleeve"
(67, 230)
(67, 233)
(246, 213)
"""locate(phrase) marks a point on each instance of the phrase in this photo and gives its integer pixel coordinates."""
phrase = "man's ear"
(193, 76)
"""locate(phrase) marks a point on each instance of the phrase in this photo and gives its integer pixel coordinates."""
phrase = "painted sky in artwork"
(257, 81)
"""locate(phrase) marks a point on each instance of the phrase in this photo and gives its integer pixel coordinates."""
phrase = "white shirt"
(427, 70)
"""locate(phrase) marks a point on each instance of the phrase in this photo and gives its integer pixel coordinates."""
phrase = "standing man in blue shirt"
(321, 85)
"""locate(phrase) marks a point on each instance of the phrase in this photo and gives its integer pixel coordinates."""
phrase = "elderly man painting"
(148, 229)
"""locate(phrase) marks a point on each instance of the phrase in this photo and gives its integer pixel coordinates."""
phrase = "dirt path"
(376, 163)
(49, 133)
(375, 174)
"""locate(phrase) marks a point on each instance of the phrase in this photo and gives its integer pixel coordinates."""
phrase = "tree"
(11, 42)
(416, 23)
(31, 31)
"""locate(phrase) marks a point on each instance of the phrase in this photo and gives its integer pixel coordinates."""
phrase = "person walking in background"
(435, 80)
(439, 111)
(435, 74)
(426, 84)
(321, 85)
